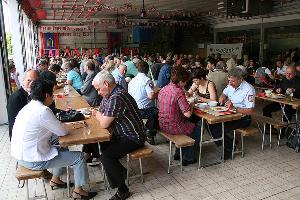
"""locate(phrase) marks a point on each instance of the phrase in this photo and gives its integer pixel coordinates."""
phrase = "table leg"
(223, 146)
(200, 143)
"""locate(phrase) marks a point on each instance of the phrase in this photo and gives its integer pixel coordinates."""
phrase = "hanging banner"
(226, 50)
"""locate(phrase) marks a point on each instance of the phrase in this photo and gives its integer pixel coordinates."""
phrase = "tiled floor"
(272, 174)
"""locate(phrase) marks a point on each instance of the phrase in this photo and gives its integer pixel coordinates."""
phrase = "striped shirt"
(172, 104)
(128, 122)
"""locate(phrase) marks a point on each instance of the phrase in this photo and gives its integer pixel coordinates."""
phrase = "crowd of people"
(127, 90)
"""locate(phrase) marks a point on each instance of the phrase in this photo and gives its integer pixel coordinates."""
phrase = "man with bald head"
(290, 84)
(20, 98)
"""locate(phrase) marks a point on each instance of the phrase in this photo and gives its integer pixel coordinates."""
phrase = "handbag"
(294, 139)
(70, 116)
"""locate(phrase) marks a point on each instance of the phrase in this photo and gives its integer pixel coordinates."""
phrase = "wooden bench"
(277, 124)
(179, 141)
(24, 174)
(138, 154)
(244, 132)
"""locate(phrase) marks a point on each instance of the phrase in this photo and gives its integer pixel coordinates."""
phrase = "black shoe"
(176, 157)
(55, 185)
(120, 195)
(188, 162)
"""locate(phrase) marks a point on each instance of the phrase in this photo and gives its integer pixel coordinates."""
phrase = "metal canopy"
(81, 11)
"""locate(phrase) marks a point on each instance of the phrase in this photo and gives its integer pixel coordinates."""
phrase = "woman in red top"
(174, 111)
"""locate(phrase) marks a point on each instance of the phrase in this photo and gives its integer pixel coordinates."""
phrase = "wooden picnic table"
(71, 102)
(72, 92)
(212, 119)
(91, 133)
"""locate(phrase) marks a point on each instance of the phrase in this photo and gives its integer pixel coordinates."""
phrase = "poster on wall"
(226, 50)
(50, 41)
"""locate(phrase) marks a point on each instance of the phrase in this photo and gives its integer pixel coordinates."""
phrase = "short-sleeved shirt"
(119, 79)
(75, 78)
(281, 71)
(139, 88)
(172, 104)
(164, 76)
(241, 97)
(131, 68)
(128, 123)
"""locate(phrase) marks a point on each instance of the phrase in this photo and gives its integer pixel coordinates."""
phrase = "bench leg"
(127, 173)
(45, 191)
(263, 138)
(170, 156)
(180, 149)
(270, 136)
(233, 145)
(35, 189)
(279, 137)
(141, 169)
(27, 189)
(242, 138)
(68, 182)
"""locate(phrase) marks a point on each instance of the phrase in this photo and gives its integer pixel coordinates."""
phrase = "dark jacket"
(293, 83)
(14, 104)
(89, 92)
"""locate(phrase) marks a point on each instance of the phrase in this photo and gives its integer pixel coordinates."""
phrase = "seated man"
(30, 145)
(290, 84)
(118, 113)
(239, 96)
(119, 75)
(141, 89)
(263, 77)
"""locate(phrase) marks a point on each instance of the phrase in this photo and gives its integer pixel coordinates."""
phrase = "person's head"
(90, 65)
(199, 75)
(290, 72)
(221, 65)
(55, 68)
(43, 66)
(74, 64)
(143, 67)
(179, 76)
(42, 91)
(279, 63)
(29, 76)
(67, 67)
(251, 62)
(122, 69)
(48, 76)
(104, 83)
(211, 63)
(136, 62)
(235, 77)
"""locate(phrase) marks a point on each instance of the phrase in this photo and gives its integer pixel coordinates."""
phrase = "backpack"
(294, 139)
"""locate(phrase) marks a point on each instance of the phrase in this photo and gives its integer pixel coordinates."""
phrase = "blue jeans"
(74, 159)
(191, 153)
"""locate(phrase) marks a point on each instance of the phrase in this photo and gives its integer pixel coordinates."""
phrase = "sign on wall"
(226, 50)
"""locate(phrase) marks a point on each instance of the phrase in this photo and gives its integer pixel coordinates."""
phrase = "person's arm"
(192, 89)
(185, 107)
(149, 90)
(51, 123)
(105, 121)
(69, 78)
(87, 85)
(212, 93)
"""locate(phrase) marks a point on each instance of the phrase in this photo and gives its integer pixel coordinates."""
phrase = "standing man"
(218, 76)
(165, 73)
(239, 96)
(119, 114)
(20, 98)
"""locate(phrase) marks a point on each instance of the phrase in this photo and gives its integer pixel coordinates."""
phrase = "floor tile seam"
(281, 192)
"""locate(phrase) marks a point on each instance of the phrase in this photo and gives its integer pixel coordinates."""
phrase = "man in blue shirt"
(164, 74)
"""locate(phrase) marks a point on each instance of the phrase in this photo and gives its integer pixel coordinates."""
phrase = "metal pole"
(262, 37)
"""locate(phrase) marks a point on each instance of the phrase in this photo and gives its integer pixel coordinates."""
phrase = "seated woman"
(30, 145)
(174, 112)
(73, 77)
(203, 89)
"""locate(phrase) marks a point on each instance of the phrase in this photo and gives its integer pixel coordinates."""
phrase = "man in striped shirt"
(119, 114)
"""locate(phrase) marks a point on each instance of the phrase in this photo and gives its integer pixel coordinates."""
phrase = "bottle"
(66, 89)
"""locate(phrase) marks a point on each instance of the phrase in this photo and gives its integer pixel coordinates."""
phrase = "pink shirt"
(172, 104)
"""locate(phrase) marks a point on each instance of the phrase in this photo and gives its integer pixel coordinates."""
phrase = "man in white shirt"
(30, 145)
(238, 96)
(280, 68)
